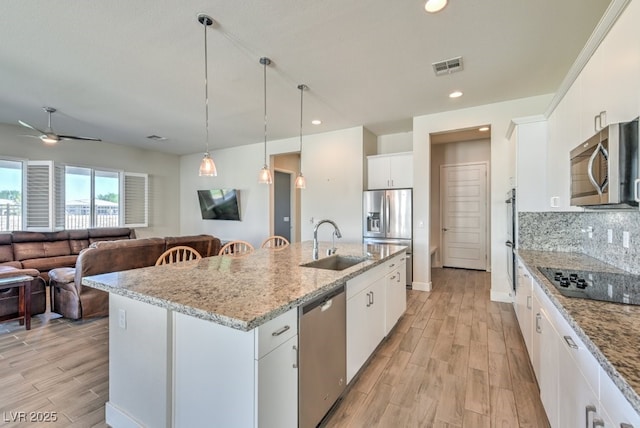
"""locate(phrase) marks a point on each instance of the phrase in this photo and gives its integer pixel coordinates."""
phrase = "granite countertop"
(241, 292)
(611, 331)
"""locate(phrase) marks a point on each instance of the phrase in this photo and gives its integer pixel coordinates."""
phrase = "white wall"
(332, 163)
(498, 115)
(163, 170)
(448, 154)
(395, 143)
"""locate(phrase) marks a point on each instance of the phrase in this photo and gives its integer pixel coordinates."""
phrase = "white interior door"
(464, 215)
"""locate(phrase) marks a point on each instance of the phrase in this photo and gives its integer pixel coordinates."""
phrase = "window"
(92, 198)
(46, 196)
(10, 195)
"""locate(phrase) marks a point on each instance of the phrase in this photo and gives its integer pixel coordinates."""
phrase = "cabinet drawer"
(275, 332)
(362, 281)
(392, 264)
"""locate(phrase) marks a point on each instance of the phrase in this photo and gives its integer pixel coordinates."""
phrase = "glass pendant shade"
(264, 177)
(301, 182)
(208, 166)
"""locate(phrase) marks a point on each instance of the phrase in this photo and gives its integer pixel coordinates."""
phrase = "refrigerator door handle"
(387, 215)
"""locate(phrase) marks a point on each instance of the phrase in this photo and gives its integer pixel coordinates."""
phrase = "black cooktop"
(609, 287)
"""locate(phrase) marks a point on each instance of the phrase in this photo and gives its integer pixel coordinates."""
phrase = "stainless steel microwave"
(604, 169)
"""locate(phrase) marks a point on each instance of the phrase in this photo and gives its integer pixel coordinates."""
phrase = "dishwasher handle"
(324, 301)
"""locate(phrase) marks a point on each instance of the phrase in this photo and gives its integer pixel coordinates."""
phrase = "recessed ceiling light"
(316, 122)
(483, 129)
(433, 6)
(455, 94)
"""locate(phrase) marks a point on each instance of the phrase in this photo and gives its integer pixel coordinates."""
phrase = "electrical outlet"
(625, 239)
(610, 236)
(122, 319)
(590, 230)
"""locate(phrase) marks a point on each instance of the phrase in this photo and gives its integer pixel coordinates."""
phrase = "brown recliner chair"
(73, 300)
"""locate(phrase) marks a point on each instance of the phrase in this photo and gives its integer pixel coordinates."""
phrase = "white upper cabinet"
(608, 83)
(530, 138)
(392, 171)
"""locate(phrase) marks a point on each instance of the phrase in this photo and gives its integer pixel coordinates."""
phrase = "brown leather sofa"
(73, 300)
(44, 251)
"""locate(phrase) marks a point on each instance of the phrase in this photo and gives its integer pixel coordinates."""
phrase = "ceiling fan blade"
(73, 137)
(26, 125)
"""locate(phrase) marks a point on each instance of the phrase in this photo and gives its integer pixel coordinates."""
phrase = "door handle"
(588, 410)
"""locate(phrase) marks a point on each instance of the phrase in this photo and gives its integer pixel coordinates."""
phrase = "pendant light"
(264, 176)
(301, 182)
(207, 166)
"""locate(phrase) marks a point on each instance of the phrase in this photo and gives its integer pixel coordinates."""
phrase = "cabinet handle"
(625, 425)
(538, 328)
(588, 410)
(295, 351)
(597, 422)
(280, 331)
(528, 302)
(372, 297)
(570, 342)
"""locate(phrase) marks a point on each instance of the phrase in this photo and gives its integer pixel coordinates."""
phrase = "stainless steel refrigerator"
(387, 218)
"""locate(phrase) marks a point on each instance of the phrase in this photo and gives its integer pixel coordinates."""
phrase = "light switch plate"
(625, 239)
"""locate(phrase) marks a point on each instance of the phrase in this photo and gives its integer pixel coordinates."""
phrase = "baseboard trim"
(115, 417)
(501, 296)
(421, 286)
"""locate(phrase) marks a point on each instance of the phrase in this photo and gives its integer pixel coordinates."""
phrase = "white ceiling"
(122, 70)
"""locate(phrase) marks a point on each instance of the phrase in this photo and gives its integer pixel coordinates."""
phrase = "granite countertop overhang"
(611, 331)
(241, 292)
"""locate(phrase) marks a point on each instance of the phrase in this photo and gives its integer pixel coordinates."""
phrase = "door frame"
(294, 215)
(487, 208)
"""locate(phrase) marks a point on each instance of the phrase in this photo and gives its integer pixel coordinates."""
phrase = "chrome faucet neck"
(336, 232)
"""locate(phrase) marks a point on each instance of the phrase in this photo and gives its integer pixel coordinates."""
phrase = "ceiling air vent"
(447, 66)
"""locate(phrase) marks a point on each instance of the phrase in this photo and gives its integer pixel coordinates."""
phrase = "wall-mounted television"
(219, 204)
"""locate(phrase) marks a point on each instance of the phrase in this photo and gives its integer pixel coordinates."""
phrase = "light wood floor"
(59, 366)
(455, 359)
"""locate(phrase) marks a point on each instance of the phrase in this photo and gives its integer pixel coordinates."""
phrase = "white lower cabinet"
(524, 305)
(278, 386)
(365, 325)
(375, 301)
(396, 296)
(574, 389)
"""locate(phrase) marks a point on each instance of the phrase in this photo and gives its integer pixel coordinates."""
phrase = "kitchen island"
(600, 346)
(213, 342)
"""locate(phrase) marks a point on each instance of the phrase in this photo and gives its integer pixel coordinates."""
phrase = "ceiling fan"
(51, 137)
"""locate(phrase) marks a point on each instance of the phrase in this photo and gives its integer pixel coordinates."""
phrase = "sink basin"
(335, 262)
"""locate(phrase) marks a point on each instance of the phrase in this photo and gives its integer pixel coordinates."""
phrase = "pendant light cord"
(265, 62)
(302, 88)
(206, 83)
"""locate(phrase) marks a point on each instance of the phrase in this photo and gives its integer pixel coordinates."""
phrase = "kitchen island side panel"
(139, 364)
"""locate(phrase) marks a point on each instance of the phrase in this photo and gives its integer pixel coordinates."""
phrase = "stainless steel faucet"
(336, 232)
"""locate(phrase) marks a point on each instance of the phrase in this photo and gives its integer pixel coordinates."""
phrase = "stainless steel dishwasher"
(323, 356)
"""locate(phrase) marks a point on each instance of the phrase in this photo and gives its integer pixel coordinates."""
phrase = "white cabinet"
(393, 171)
(530, 138)
(524, 305)
(278, 386)
(396, 293)
(365, 324)
(574, 389)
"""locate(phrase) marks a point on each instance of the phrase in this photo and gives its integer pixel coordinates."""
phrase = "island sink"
(335, 262)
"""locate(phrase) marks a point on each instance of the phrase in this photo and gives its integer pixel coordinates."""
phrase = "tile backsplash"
(569, 231)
